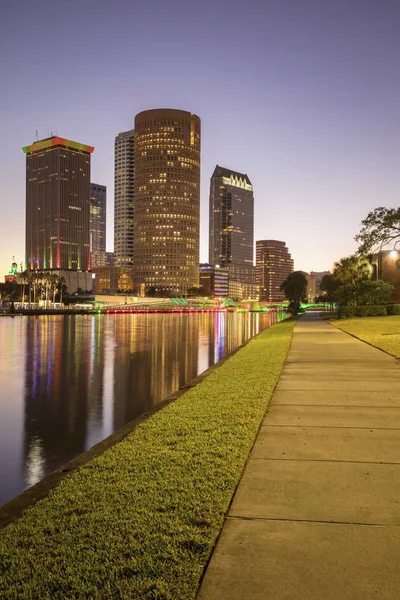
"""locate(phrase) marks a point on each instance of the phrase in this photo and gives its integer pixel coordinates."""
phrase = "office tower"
(109, 259)
(123, 199)
(57, 205)
(231, 231)
(167, 201)
(273, 263)
(98, 215)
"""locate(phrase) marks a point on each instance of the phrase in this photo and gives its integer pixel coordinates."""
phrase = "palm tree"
(55, 280)
(47, 283)
(24, 276)
(351, 269)
(34, 282)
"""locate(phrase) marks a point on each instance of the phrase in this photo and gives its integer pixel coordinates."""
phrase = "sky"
(302, 95)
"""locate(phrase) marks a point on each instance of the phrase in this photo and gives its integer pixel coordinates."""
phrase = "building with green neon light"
(58, 205)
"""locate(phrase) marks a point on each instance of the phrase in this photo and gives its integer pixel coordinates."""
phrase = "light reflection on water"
(67, 382)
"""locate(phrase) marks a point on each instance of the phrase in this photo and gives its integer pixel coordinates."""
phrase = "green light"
(57, 141)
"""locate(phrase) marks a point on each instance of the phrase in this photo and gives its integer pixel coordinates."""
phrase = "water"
(67, 382)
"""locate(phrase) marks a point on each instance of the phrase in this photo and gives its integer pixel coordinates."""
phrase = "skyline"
(303, 99)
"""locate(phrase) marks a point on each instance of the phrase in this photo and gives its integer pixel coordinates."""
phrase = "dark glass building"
(231, 242)
(98, 214)
(57, 205)
(167, 201)
(123, 199)
(214, 280)
(273, 263)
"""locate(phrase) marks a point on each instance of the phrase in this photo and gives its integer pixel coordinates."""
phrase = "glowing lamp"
(393, 254)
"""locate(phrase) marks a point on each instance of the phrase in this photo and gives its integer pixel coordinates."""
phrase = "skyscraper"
(123, 199)
(167, 200)
(231, 242)
(57, 205)
(273, 263)
(98, 214)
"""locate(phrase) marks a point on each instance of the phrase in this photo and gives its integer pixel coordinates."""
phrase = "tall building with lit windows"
(123, 199)
(273, 264)
(58, 205)
(167, 201)
(231, 242)
(98, 214)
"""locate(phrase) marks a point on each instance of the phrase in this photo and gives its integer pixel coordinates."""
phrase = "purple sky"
(303, 95)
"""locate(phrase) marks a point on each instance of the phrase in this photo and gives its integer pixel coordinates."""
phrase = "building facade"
(240, 291)
(167, 200)
(389, 270)
(12, 275)
(273, 264)
(214, 280)
(112, 280)
(314, 280)
(231, 233)
(98, 217)
(123, 199)
(57, 205)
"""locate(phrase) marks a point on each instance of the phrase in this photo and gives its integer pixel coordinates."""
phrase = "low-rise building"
(389, 269)
(111, 280)
(239, 291)
(214, 280)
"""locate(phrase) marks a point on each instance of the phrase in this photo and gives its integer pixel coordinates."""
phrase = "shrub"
(393, 309)
(365, 311)
(347, 312)
(371, 311)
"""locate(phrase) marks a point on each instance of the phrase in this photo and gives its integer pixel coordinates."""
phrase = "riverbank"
(140, 521)
(122, 310)
(381, 332)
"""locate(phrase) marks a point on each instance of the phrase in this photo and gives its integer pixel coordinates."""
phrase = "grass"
(141, 520)
(382, 332)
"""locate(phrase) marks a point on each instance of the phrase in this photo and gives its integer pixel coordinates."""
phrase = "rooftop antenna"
(37, 135)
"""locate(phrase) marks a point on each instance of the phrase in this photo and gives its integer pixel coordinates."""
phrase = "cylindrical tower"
(167, 200)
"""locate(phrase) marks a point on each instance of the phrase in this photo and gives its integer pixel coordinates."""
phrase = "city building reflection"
(83, 377)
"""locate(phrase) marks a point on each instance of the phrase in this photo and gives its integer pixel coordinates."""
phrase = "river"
(67, 382)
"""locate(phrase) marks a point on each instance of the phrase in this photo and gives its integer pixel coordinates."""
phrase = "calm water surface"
(67, 382)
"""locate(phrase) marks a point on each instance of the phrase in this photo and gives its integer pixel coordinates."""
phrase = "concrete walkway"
(316, 515)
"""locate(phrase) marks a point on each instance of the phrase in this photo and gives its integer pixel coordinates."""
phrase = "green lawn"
(382, 332)
(141, 520)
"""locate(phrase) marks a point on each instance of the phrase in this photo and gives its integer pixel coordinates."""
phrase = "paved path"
(316, 515)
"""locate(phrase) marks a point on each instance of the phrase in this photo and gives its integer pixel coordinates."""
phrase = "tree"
(380, 228)
(373, 292)
(54, 279)
(329, 284)
(345, 295)
(364, 292)
(62, 288)
(352, 268)
(295, 290)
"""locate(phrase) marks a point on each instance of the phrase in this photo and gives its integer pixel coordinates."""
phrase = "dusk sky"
(302, 95)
